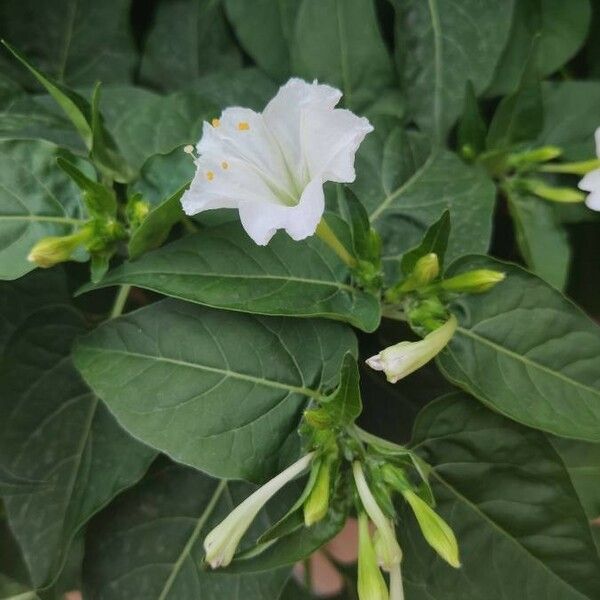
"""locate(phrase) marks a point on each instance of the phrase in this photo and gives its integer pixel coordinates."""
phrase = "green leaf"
(508, 496)
(178, 507)
(77, 42)
(525, 350)
(223, 268)
(36, 200)
(542, 240)
(144, 123)
(186, 39)
(220, 391)
(340, 43)
(156, 226)
(435, 240)
(11, 484)
(561, 28)
(265, 29)
(75, 107)
(472, 129)
(441, 45)
(54, 430)
(519, 117)
(99, 200)
(344, 405)
(405, 192)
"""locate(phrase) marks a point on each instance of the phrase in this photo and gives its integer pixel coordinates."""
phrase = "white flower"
(221, 543)
(271, 166)
(591, 181)
(387, 547)
(403, 358)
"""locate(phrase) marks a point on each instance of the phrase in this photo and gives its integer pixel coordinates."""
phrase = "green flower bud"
(371, 584)
(548, 192)
(575, 168)
(317, 503)
(434, 529)
(473, 282)
(52, 250)
(538, 155)
(427, 268)
(318, 418)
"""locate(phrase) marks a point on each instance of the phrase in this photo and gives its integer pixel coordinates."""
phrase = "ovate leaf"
(150, 542)
(442, 44)
(36, 200)
(340, 43)
(54, 430)
(223, 268)
(435, 240)
(508, 497)
(220, 391)
(528, 352)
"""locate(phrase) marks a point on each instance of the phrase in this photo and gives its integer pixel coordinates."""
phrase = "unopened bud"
(371, 584)
(427, 268)
(317, 503)
(473, 282)
(435, 530)
(575, 168)
(539, 155)
(318, 418)
(52, 250)
(548, 192)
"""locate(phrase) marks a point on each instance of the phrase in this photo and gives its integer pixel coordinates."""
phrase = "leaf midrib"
(521, 358)
(225, 372)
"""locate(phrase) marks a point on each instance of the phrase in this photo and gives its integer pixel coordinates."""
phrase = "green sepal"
(471, 127)
(98, 199)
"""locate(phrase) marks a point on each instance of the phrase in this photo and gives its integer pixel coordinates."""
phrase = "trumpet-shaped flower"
(271, 166)
(591, 181)
(403, 358)
(388, 550)
(396, 587)
(221, 543)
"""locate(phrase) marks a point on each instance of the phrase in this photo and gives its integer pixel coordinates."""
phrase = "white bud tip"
(189, 149)
(375, 362)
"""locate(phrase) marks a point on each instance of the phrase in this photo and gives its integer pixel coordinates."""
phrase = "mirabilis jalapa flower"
(271, 166)
(591, 181)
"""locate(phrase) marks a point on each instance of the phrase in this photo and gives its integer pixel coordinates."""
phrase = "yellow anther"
(215, 122)
(225, 165)
(210, 175)
(243, 126)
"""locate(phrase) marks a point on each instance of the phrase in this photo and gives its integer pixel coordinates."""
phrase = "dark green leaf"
(543, 241)
(440, 45)
(76, 42)
(36, 200)
(155, 227)
(265, 29)
(525, 350)
(471, 126)
(509, 498)
(149, 543)
(561, 28)
(221, 391)
(340, 43)
(186, 39)
(54, 430)
(435, 240)
(223, 268)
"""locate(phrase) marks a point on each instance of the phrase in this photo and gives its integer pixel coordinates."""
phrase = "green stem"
(308, 573)
(328, 236)
(120, 300)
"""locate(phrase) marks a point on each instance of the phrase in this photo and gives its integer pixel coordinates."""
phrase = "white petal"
(261, 220)
(590, 181)
(220, 183)
(593, 201)
(597, 138)
(330, 140)
(285, 113)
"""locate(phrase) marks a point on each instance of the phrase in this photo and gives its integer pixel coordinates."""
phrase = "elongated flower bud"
(473, 282)
(221, 543)
(554, 194)
(396, 588)
(402, 359)
(389, 550)
(371, 585)
(317, 504)
(52, 250)
(435, 530)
